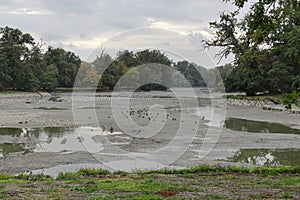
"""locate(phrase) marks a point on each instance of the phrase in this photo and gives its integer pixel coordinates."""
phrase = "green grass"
(204, 182)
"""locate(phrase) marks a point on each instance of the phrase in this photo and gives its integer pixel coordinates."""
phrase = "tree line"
(25, 66)
(156, 67)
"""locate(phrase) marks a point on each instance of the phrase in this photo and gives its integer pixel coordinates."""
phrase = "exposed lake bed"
(37, 134)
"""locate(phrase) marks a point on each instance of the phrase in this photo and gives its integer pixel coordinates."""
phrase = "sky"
(87, 26)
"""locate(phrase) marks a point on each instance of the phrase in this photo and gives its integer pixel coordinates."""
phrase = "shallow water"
(52, 139)
(237, 124)
(6, 148)
(268, 157)
(49, 108)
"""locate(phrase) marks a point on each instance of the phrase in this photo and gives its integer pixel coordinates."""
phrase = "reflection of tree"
(268, 157)
(56, 131)
(14, 132)
(33, 133)
(6, 148)
(258, 126)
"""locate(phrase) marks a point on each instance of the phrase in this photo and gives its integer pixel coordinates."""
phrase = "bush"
(291, 98)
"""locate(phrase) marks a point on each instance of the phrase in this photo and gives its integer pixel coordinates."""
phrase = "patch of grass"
(204, 182)
(56, 196)
(126, 196)
(93, 172)
(123, 173)
(33, 177)
(68, 176)
(215, 196)
(286, 195)
(5, 177)
(188, 175)
(2, 196)
(228, 169)
(147, 185)
(289, 181)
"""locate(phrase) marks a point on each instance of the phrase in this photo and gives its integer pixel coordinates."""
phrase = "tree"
(26, 80)
(265, 44)
(5, 78)
(127, 60)
(91, 78)
(23, 66)
(113, 73)
(14, 52)
(102, 62)
(49, 78)
(191, 73)
(67, 64)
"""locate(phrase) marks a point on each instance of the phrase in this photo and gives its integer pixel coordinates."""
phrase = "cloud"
(81, 26)
(27, 11)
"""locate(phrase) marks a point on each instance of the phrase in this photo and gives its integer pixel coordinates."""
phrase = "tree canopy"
(265, 44)
(24, 66)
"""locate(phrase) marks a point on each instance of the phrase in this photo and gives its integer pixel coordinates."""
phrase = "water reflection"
(14, 132)
(237, 124)
(52, 139)
(268, 157)
(6, 148)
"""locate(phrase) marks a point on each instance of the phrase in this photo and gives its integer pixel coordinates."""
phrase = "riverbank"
(59, 151)
(266, 102)
(200, 182)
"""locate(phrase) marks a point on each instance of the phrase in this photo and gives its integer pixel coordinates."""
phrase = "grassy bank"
(201, 182)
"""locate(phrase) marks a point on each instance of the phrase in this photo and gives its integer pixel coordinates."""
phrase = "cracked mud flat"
(86, 145)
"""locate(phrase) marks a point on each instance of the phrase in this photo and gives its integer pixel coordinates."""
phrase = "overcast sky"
(83, 25)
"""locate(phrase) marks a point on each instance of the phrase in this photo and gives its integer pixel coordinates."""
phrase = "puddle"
(214, 116)
(237, 124)
(50, 108)
(53, 139)
(6, 148)
(268, 157)
(14, 132)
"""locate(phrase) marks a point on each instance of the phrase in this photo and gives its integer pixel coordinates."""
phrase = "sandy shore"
(34, 110)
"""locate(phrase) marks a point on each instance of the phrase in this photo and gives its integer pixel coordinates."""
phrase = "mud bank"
(129, 150)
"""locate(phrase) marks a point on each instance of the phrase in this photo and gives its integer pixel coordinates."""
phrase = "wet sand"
(32, 111)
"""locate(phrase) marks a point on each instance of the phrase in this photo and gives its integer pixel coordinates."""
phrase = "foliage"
(291, 98)
(265, 43)
(24, 67)
(67, 64)
(151, 70)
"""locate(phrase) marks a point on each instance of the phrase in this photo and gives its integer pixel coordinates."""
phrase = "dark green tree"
(49, 78)
(265, 43)
(15, 53)
(67, 64)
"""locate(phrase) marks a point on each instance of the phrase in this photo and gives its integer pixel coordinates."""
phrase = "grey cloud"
(84, 20)
(53, 36)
